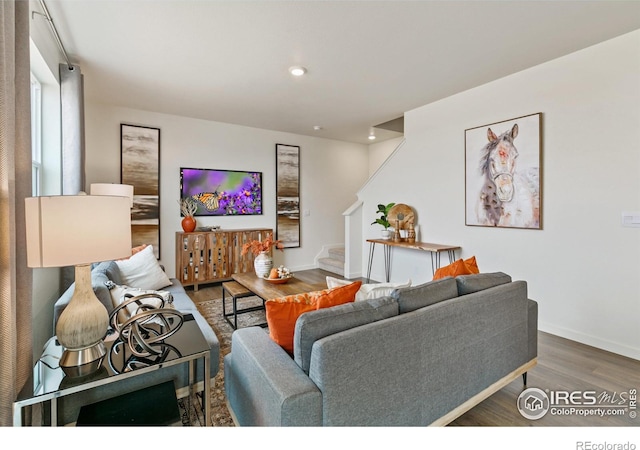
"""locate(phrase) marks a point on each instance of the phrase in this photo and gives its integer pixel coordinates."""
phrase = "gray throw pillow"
(416, 297)
(315, 325)
(113, 272)
(98, 280)
(468, 284)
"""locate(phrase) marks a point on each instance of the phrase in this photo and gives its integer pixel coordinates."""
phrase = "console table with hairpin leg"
(434, 249)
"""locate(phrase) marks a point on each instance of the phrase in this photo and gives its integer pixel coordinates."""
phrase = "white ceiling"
(368, 61)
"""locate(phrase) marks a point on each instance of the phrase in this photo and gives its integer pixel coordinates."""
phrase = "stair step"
(332, 262)
(331, 265)
(337, 253)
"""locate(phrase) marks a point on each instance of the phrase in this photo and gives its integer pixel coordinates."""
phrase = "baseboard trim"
(483, 395)
(587, 339)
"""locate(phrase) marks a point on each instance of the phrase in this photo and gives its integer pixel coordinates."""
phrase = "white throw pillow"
(336, 282)
(143, 271)
(377, 290)
(368, 291)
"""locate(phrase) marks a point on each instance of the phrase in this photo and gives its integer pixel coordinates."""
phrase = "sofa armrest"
(264, 386)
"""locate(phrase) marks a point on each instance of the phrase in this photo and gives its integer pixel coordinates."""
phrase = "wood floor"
(563, 365)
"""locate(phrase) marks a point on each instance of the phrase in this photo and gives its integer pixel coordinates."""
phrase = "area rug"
(211, 310)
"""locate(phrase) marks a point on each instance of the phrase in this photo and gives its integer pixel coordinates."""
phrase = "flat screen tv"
(222, 192)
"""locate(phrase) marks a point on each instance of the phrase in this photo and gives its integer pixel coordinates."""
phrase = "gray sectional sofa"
(423, 356)
(102, 273)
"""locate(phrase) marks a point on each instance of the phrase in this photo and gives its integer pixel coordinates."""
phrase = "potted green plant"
(383, 210)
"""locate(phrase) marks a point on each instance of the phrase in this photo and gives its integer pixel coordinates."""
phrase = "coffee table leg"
(235, 313)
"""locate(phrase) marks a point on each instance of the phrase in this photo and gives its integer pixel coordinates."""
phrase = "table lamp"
(78, 230)
(120, 190)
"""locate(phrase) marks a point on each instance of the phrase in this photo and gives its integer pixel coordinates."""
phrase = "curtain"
(15, 184)
(72, 112)
(72, 108)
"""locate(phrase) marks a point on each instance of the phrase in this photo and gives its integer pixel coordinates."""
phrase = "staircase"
(334, 262)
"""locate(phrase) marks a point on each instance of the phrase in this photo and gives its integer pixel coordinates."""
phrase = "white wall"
(42, 36)
(331, 173)
(380, 151)
(583, 267)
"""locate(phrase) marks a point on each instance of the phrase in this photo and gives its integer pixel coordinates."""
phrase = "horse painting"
(508, 197)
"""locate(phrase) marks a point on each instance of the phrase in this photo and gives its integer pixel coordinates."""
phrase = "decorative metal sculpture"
(144, 332)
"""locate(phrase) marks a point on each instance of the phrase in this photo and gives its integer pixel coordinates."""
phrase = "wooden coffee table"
(267, 291)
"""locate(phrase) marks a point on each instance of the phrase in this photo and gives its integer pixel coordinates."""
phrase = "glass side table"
(48, 382)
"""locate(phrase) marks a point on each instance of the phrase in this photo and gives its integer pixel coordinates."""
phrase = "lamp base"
(83, 361)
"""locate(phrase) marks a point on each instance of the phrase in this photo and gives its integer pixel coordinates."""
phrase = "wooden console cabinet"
(210, 256)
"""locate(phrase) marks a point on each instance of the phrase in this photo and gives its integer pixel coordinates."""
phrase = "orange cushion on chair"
(456, 268)
(283, 312)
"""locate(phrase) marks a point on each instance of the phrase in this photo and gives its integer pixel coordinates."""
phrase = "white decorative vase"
(386, 234)
(263, 264)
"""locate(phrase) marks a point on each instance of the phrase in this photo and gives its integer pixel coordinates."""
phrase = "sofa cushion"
(460, 267)
(283, 312)
(315, 325)
(468, 284)
(368, 290)
(416, 297)
(143, 271)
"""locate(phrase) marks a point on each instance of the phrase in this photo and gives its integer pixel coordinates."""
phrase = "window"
(36, 136)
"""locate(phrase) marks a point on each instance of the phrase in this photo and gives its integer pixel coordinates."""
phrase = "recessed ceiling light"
(372, 135)
(317, 127)
(297, 71)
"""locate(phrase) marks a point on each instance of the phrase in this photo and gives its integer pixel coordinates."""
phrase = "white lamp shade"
(69, 230)
(117, 190)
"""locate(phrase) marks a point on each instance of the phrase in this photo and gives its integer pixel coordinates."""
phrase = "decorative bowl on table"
(279, 275)
(278, 280)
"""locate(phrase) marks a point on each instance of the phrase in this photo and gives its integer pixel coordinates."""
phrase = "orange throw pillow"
(472, 265)
(459, 267)
(135, 250)
(339, 295)
(283, 312)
